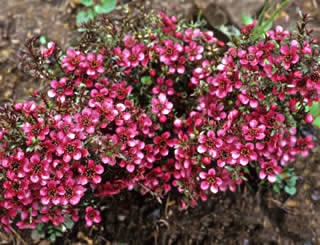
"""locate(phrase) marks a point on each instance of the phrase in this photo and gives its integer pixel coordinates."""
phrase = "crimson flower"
(170, 52)
(37, 169)
(210, 181)
(269, 170)
(92, 64)
(253, 131)
(161, 105)
(289, 56)
(133, 56)
(244, 153)
(92, 216)
(51, 193)
(73, 60)
(60, 89)
(87, 120)
(73, 192)
(90, 173)
(163, 86)
(279, 34)
(209, 143)
(194, 51)
(71, 149)
(162, 142)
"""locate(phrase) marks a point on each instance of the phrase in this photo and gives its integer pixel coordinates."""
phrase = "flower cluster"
(154, 108)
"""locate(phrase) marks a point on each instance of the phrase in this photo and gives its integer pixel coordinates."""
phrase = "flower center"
(269, 170)
(225, 154)
(245, 152)
(250, 56)
(60, 90)
(169, 51)
(253, 132)
(163, 87)
(90, 172)
(15, 166)
(52, 193)
(36, 131)
(85, 121)
(94, 64)
(37, 168)
(16, 186)
(70, 148)
(288, 57)
(69, 192)
(314, 77)
(132, 57)
(211, 180)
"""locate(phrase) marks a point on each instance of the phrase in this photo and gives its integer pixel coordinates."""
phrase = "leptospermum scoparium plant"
(153, 104)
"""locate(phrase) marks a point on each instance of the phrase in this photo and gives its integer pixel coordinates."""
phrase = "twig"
(18, 236)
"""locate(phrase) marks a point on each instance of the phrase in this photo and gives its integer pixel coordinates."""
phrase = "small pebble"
(315, 195)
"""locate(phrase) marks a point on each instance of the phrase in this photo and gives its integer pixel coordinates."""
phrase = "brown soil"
(246, 217)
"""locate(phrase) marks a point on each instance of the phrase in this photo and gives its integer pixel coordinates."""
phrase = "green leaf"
(316, 122)
(122, 157)
(105, 7)
(146, 80)
(246, 20)
(53, 237)
(82, 17)
(291, 190)
(91, 14)
(314, 109)
(87, 3)
(43, 40)
(69, 223)
(292, 181)
(276, 188)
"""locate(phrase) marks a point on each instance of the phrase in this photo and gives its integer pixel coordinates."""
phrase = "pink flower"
(61, 89)
(87, 120)
(129, 41)
(73, 193)
(36, 131)
(252, 56)
(15, 165)
(194, 51)
(98, 95)
(221, 85)
(119, 90)
(225, 156)
(37, 169)
(50, 50)
(170, 52)
(269, 170)
(163, 86)
(93, 65)
(244, 153)
(161, 105)
(279, 34)
(162, 142)
(70, 149)
(210, 180)
(51, 193)
(133, 57)
(92, 216)
(209, 143)
(73, 60)
(304, 145)
(289, 56)
(169, 24)
(253, 131)
(90, 173)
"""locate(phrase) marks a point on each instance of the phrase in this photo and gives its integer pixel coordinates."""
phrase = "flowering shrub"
(153, 104)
